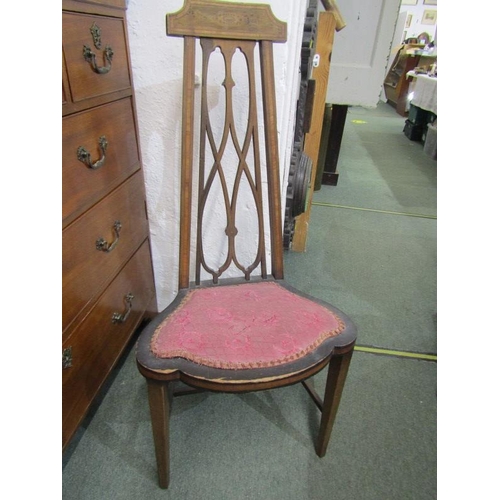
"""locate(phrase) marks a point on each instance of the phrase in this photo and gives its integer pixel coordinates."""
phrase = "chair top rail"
(215, 19)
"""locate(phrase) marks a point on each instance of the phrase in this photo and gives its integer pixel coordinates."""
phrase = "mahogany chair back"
(229, 28)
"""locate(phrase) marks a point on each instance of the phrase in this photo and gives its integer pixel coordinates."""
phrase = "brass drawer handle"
(102, 245)
(83, 154)
(89, 56)
(121, 318)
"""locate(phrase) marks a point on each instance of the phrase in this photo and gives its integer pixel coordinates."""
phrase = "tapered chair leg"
(159, 405)
(337, 373)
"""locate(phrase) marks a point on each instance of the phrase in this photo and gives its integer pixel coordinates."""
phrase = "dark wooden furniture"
(396, 84)
(228, 335)
(108, 283)
(330, 175)
(328, 23)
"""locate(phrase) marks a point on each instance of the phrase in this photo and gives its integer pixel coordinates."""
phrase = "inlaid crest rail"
(200, 19)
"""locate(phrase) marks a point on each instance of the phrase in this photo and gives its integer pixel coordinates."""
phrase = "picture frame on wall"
(430, 2)
(409, 17)
(429, 17)
(409, 2)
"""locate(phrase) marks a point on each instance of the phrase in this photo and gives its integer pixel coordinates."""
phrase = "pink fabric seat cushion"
(244, 326)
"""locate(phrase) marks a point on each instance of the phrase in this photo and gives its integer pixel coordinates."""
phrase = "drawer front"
(99, 152)
(94, 248)
(97, 343)
(105, 68)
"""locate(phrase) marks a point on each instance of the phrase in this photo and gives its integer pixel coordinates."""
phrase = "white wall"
(157, 75)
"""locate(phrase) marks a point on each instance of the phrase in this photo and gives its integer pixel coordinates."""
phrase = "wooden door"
(359, 61)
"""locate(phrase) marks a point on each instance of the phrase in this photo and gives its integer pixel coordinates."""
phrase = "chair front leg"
(337, 373)
(159, 405)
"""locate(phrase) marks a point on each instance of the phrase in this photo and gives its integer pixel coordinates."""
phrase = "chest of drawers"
(108, 284)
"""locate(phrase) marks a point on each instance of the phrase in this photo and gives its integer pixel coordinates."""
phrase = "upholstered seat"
(238, 336)
(254, 325)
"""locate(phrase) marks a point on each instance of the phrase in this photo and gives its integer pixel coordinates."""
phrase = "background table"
(424, 90)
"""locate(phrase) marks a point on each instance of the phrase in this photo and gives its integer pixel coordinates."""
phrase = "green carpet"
(378, 268)
(260, 445)
(380, 168)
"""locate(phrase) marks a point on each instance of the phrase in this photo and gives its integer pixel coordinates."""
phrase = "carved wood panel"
(213, 150)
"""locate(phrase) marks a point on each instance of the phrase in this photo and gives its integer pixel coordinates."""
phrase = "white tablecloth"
(424, 91)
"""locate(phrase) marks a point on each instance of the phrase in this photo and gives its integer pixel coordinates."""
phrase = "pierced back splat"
(211, 166)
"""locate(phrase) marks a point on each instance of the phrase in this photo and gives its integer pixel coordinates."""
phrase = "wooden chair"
(232, 334)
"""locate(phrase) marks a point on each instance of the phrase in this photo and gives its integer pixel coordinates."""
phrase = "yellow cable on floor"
(389, 352)
(323, 204)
